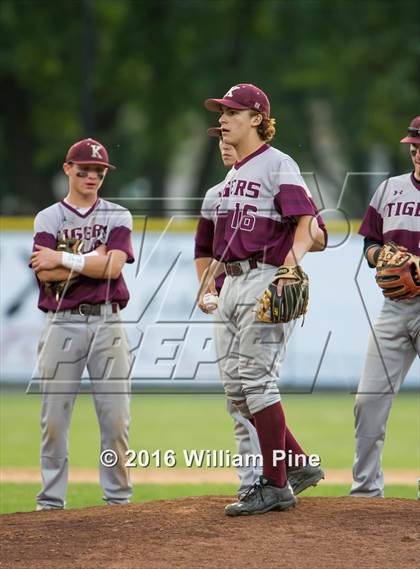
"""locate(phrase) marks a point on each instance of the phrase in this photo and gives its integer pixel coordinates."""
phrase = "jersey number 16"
(244, 219)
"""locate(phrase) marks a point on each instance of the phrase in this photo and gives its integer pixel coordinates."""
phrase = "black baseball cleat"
(301, 477)
(43, 508)
(262, 498)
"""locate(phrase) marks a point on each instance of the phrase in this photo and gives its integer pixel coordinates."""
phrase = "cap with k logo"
(89, 151)
(240, 97)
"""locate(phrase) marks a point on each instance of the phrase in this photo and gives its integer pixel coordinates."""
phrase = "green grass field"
(21, 497)
(323, 424)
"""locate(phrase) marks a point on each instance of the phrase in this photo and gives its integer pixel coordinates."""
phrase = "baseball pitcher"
(266, 222)
(246, 438)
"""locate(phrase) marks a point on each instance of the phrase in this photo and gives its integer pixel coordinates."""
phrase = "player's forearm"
(372, 254)
(303, 241)
(103, 266)
(319, 243)
(94, 267)
(216, 269)
(208, 277)
(201, 265)
(53, 275)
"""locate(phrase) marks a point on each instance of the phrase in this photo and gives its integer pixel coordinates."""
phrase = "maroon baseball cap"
(413, 132)
(241, 97)
(215, 131)
(89, 151)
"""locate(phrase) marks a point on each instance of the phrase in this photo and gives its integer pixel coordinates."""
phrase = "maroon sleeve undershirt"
(204, 238)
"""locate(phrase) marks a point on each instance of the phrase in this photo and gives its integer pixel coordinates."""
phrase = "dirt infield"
(321, 533)
(191, 475)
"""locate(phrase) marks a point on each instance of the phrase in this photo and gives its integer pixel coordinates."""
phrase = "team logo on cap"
(95, 151)
(231, 90)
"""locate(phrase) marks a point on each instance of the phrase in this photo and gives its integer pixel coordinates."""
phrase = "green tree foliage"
(135, 73)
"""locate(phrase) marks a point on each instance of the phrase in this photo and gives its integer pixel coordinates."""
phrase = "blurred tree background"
(343, 79)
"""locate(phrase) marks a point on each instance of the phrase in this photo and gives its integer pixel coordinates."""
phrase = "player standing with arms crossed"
(83, 324)
(392, 216)
(265, 218)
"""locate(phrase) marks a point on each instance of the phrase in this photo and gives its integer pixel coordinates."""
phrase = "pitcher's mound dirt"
(193, 533)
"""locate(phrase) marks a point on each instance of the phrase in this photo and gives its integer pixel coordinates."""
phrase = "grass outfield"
(21, 497)
(322, 423)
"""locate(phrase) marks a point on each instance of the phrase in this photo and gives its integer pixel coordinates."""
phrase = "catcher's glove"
(398, 272)
(294, 298)
(59, 288)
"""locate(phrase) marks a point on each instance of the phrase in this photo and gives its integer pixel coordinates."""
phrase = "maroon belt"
(238, 268)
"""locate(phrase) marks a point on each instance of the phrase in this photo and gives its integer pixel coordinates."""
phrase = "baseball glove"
(398, 272)
(59, 288)
(294, 298)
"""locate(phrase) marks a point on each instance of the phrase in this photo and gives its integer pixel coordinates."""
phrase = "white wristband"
(73, 262)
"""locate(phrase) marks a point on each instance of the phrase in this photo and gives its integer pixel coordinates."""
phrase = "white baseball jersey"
(394, 213)
(205, 228)
(255, 215)
(208, 217)
(104, 223)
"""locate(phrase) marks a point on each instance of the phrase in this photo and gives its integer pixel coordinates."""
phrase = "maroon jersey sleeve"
(204, 238)
(43, 233)
(120, 238)
(293, 201)
(372, 225)
(120, 235)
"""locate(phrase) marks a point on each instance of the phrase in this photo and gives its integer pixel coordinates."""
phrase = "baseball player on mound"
(245, 433)
(80, 247)
(391, 228)
(266, 221)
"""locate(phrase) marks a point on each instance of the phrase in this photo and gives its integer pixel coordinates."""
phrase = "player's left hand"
(45, 259)
(282, 282)
(291, 302)
(398, 272)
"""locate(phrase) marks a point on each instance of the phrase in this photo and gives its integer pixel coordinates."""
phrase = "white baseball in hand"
(210, 301)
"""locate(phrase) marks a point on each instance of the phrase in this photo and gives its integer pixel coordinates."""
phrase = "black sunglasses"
(413, 131)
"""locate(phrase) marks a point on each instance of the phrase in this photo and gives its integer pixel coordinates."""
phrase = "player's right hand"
(210, 289)
(44, 258)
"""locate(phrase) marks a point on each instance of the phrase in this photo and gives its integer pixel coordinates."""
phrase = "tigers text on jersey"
(257, 207)
(394, 213)
(104, 223)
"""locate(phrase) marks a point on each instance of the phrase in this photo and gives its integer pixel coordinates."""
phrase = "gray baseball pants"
(392, 348)
(246, 437)
(250, 355)
(247, 444)
(69, 343)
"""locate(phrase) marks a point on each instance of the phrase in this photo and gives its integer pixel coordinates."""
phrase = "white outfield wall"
(173, 342)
